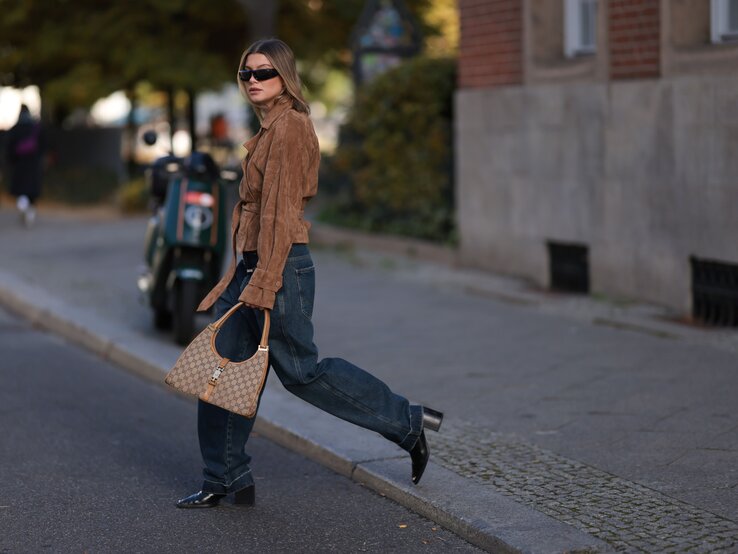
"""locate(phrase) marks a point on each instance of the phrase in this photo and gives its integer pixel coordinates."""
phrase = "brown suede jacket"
(280, 175)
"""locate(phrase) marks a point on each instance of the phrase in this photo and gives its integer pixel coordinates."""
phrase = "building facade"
(601, 130)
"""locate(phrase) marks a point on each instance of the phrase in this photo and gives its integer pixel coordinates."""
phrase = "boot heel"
(432, 419)
(245, 497)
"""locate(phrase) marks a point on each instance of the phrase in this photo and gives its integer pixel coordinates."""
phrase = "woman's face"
(262, 93)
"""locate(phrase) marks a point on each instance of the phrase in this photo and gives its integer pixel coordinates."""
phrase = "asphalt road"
(92, 459)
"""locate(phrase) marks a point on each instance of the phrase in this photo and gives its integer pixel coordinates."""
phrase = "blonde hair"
(283, 60)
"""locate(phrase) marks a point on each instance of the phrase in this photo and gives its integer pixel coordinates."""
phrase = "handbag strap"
(265, 333)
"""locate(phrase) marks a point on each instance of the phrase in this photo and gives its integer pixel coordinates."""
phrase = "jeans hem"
(416, 427)
(241, 482)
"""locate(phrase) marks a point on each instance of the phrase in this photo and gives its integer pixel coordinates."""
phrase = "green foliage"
(78, 51)
(319, 31)
(393, 167)
(79, 184)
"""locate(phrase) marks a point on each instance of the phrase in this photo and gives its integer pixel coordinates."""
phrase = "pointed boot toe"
(420, 453)
(419, 456)
(200, 500)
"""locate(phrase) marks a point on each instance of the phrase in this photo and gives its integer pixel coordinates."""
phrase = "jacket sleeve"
(287, 163)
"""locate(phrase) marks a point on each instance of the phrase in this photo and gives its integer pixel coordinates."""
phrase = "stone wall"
(644, 172)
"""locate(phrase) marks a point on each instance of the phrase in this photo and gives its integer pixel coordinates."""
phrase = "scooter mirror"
(149, 137)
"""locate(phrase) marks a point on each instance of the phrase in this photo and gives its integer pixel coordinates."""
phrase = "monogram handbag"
(234, 386)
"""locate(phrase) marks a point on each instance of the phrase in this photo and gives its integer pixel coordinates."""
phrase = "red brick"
(635, 38)
(490, 51)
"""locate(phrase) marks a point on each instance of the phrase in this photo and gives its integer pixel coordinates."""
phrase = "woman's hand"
(251, 294)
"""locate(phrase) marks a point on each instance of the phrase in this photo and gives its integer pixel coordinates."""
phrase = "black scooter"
(185, 238)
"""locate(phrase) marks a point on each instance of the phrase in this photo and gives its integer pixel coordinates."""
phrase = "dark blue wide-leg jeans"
(333, 385)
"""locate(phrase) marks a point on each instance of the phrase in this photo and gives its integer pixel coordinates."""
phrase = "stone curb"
(513, 529)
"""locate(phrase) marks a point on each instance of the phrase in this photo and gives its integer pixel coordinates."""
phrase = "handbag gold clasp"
(216, 374)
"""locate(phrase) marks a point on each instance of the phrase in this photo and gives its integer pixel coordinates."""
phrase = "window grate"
(715, 292)
(569, 267)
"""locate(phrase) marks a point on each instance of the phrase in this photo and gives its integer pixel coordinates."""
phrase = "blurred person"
(276, 272)
(25, 149)
(221, 146)
(219, 130)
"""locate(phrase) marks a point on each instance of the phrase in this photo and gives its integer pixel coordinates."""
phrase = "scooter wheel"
(185, 307)
(163, 319)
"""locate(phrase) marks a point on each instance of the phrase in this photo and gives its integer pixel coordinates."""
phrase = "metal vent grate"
(715, 292)
(569, 267)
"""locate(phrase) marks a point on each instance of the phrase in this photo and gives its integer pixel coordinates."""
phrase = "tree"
(261, 16)
(78, 52)
(319, 31)
(394, 167)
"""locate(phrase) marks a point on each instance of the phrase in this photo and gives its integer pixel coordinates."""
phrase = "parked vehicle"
(185, 238)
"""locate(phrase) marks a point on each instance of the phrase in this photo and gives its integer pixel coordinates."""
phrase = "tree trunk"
(172, 117)
(132, 132)
(191, 97)
(261, 16)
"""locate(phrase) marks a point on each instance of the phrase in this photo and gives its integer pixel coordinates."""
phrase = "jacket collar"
(277, 110)
(272, 115)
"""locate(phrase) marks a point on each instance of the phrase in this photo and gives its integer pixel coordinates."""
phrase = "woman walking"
(277, 273)
(25, 149)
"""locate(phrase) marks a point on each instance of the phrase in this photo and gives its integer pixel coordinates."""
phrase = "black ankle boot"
(245, 497)
(419, 456)
(420, 453)
(200, 500)
(432, 419)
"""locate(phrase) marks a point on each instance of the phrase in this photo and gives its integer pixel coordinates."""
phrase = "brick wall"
(635, 46)
(491, 43)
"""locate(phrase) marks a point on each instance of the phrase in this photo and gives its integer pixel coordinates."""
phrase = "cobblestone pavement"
(629, 516)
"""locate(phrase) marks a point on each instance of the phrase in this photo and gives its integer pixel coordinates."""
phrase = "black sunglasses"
(259, 74)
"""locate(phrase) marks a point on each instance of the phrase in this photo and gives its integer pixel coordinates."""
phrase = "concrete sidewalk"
(571, 424)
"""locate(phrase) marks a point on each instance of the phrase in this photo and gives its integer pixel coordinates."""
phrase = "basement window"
(580, 27)
(724, 20)
(715, 292)
(568, 267)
